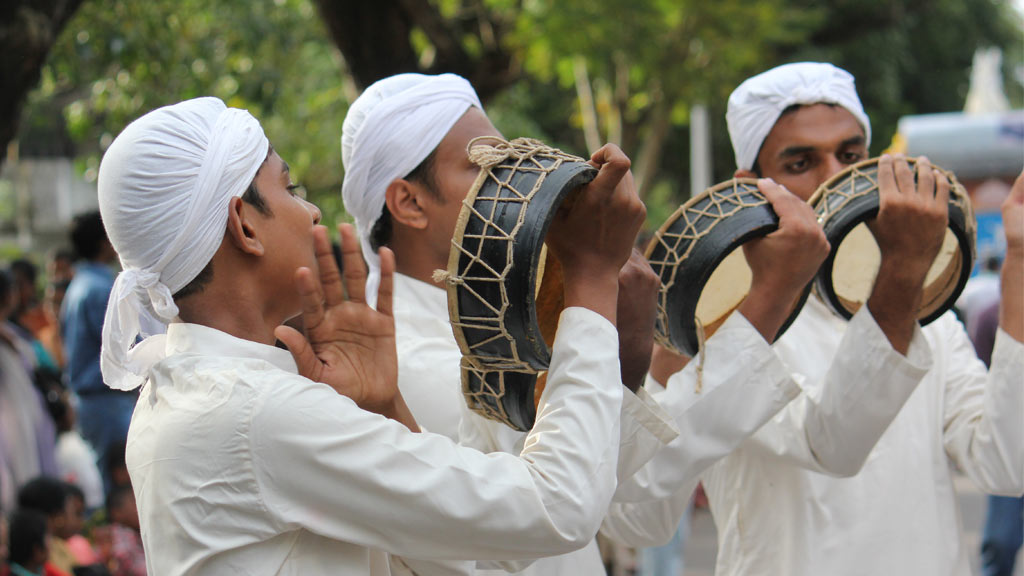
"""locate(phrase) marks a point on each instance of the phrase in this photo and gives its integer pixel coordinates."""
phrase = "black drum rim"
(864, 208)
(683, 282)
(514, 358)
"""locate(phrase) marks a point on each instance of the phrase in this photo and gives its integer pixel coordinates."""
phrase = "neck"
(235, 301)
(415, 254)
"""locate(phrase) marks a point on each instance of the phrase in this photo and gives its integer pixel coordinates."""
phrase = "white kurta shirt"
(745, 384)
(430, 380)
(241, 466)
(778, 514)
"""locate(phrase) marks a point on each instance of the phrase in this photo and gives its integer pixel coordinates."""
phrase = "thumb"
(308, 364)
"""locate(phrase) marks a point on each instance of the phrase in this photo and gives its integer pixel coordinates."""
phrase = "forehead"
(473, 124)
(818, 126)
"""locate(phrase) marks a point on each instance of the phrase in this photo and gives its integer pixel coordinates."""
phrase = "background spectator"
(103, 414)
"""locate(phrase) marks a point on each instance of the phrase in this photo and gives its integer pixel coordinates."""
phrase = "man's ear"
(404, 200)
(241, 229)
(745, 174)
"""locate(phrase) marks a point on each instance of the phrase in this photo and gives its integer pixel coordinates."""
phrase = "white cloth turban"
(388, 131)
(164, 188)
(756, 105)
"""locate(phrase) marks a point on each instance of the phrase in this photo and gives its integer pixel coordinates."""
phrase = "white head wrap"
(757, 103)
(164, 187)
(388, 131)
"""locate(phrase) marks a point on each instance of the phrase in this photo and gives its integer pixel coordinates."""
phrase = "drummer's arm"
(909, 230)
(1011, 308)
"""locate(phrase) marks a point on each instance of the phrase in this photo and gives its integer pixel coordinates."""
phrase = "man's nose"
(315, 211)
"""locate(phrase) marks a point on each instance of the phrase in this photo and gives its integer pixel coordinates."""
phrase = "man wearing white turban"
(779, 508)
(415, 149)
(247, 459)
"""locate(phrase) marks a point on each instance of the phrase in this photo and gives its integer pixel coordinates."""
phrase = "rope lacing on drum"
(487, 155)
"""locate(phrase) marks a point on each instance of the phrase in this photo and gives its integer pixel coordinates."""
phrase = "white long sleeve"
(240, 463)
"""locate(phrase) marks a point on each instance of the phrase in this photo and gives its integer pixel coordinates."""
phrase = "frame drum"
(504, 290)
(704, 276)
(845, 281)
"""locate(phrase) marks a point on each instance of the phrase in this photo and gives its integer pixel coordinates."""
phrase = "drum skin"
(691, 245)
(494, 270)
(850, 198)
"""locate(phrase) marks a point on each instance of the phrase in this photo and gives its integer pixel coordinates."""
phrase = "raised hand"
(594, 238)
(912, 216)
(348, 345)
(911, 224)
(1013, 216)
(637, 306)
(783, 262)
(1011, 308)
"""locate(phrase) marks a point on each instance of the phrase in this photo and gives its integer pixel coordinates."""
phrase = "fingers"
(353, 267)
(387, 275)
(926, 178)
(1017, 192)
(305, 359)
(312, 298)
(330, 277)
(904, 176)
(941, 189)
(612, 164)
(782, 200)
(886, 179)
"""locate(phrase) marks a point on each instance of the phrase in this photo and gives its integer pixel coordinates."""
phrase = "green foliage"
(119, 59)
(913, 56)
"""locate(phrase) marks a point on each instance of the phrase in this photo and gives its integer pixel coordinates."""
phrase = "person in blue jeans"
(103, 413)
(1003, 534)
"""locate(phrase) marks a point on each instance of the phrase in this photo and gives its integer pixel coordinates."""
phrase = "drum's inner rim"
(935, 295)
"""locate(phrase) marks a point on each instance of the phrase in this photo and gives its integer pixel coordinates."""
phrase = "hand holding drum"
(593, 231)
(898, 223)
(783, 263)
(505, 290)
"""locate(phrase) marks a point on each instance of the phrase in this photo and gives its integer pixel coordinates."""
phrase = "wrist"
(593, 289)
(902, 273)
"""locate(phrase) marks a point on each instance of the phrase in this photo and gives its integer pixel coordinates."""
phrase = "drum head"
(697, 254)
(849, 199)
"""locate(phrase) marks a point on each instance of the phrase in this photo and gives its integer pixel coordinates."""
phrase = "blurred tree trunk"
(376, 40)
(28, 29)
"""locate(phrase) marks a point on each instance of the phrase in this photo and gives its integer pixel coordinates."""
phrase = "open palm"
(348, 345)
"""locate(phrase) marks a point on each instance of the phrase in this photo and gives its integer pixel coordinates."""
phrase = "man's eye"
(297, 190)
(851, 157)
(798, 166)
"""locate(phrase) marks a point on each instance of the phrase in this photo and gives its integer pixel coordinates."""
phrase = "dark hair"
(63, 254)
(116, 498)
(6, 286)
(44, 494)
(252, 197)
(74, 491)
(426, 174)
(88, 235)
(27, 534)
(24, 268)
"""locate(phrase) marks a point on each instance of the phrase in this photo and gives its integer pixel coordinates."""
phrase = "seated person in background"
(50, 497)
(76, 460)
(30, 545)
(127, 557)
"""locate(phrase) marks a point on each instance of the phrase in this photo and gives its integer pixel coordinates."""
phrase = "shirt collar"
(417, 295)
(196, 339)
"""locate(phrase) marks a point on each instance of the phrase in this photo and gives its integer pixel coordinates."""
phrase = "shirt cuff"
(872, 349)
(1007, 354)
